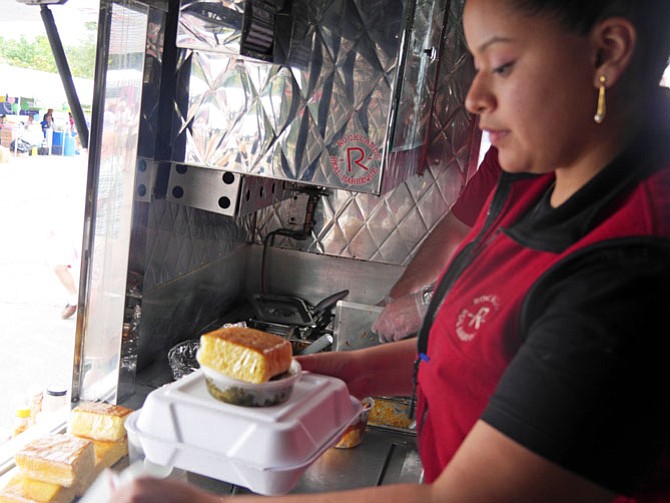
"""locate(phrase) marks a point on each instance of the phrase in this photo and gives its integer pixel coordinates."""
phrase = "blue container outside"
(68, 148)
(57, 143)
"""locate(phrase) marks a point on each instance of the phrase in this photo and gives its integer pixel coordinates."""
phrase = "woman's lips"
(495, 137)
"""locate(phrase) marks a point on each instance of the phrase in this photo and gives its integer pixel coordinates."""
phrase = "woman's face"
(533, 89)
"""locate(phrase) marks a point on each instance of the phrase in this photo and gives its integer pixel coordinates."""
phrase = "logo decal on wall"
(471, 320)
(357, 160)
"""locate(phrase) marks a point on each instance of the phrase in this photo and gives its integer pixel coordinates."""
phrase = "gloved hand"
(401, 317)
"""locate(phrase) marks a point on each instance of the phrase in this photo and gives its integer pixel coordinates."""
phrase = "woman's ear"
(614, 40)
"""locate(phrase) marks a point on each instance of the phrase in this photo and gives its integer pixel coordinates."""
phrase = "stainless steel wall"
(389, 228)
(198, 263)
(345, 105)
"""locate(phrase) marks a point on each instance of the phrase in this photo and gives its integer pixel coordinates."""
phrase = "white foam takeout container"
(266, 449)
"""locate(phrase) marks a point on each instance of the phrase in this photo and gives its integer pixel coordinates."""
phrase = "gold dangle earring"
(599, 117)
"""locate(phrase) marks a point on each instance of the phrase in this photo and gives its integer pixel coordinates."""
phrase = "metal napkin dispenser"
(340, 100)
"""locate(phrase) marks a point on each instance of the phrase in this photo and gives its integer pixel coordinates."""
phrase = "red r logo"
(359, 154)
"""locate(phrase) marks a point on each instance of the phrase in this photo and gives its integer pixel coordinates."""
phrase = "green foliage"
(36, 54)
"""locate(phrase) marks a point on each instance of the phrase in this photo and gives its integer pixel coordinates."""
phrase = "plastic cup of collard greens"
(234, 391)
(353, 435)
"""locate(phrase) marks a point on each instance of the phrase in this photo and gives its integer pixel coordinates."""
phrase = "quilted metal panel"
(390, 228)
(183, 239)
(324, 117)
(348, 224)
(211, 24)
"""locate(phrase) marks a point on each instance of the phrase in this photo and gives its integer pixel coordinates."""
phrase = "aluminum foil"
(182, 358)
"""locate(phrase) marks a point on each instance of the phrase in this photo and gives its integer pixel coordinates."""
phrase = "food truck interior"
(224, 176)
(273, 162)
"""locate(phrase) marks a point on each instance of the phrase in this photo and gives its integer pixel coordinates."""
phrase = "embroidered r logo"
(470, 322)
(478, 318)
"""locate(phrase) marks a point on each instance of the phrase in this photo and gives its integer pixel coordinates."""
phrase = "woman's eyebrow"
(493, 40)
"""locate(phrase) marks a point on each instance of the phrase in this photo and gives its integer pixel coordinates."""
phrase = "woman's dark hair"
(650, 17)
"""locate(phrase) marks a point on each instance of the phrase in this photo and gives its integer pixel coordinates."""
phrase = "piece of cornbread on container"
(245, 353)
(20, 489)
(59, 459)
(46, 492)
(98, 421)
(108, 453)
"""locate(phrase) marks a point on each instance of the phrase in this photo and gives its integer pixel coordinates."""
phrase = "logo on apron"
(471, 319)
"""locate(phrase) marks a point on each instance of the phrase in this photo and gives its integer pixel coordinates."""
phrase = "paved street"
(37, 195)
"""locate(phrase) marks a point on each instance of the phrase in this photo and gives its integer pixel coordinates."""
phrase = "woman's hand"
(340, 364)
(380, 370)
(153, 490)
(401, 318)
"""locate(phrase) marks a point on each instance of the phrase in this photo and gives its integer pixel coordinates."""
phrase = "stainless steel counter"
(385, 456)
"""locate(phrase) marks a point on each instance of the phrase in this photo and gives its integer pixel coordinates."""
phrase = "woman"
(543, 373)
(46, 123)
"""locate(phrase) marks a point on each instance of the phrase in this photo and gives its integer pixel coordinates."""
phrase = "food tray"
(265, 449)
(392, 413)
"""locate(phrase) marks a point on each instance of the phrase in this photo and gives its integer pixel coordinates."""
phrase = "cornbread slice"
(98, 421)
(60, 459)
(46, 492)
(108, 453)
(20, 489)
(245, 353)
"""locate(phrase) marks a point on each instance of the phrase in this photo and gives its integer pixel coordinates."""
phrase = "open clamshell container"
(266, 449)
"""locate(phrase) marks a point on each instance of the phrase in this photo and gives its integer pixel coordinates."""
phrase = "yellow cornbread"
(46, 492)
(59, 459)
(21, 489)
(245, 353)
(98, 421)
(108, 453)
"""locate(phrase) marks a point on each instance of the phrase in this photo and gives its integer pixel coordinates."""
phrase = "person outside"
(407, 300)
(46, 124)
(542, 369)
(64, 274)
(32, 133)
(63, 245)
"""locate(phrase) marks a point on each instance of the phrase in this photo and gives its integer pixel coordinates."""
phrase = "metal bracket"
(221, 191)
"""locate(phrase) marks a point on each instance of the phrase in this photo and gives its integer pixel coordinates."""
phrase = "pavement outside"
(38, 194)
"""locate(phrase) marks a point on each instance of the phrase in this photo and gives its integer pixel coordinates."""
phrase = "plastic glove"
(400, 318)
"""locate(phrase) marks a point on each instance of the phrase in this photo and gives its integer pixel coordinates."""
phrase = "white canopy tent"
(45, 88)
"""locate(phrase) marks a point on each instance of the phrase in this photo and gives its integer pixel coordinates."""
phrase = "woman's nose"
(478, 98)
